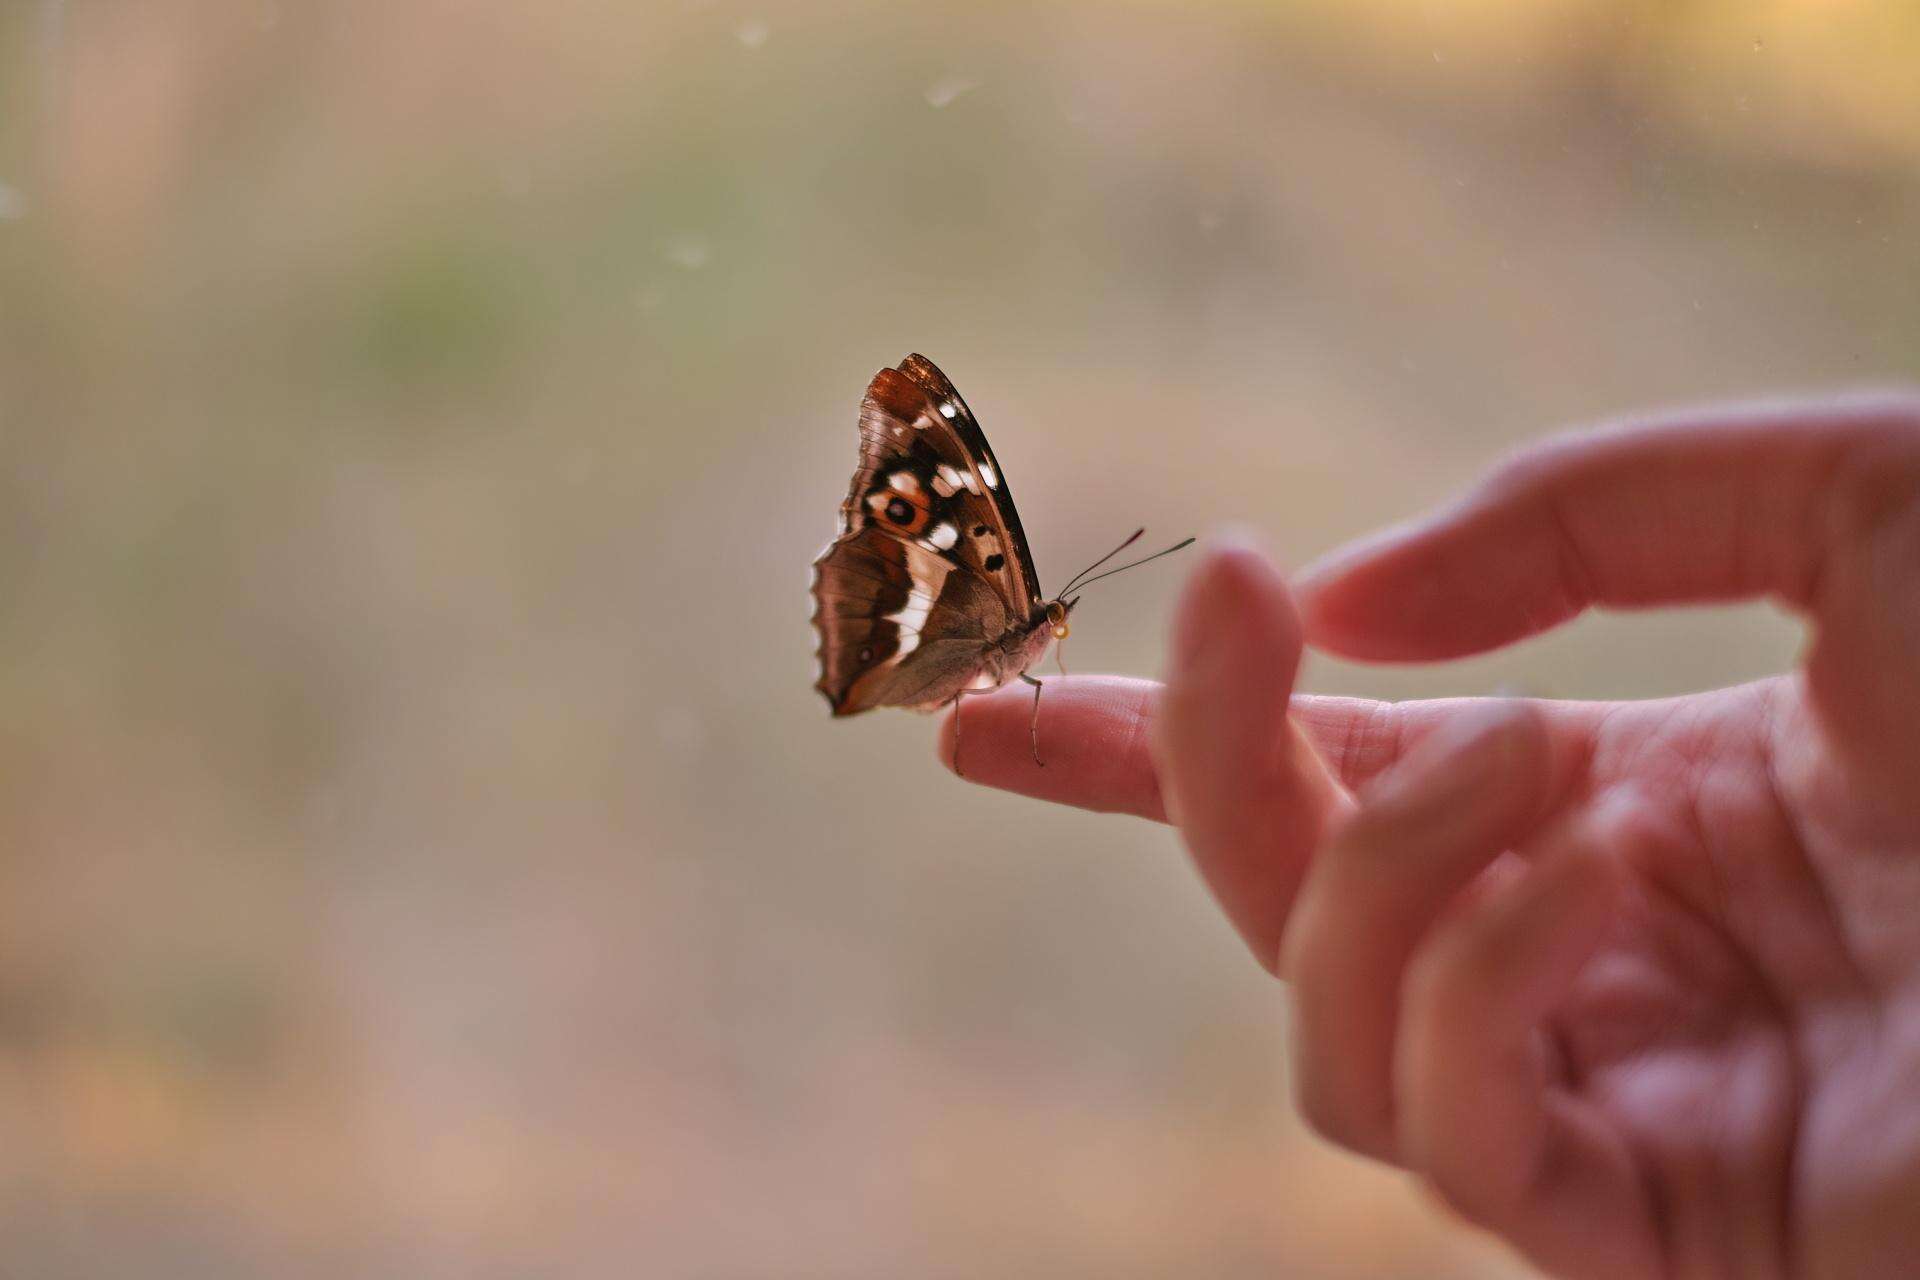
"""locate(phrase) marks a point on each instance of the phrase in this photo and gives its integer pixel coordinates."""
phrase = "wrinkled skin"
(1636, 985)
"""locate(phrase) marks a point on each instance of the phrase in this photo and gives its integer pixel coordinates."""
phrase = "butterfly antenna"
(1130, 540)
(1137, 563)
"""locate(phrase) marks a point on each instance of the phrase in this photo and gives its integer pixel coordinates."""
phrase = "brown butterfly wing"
(1023, 583)
(929, 569)
(899, 626)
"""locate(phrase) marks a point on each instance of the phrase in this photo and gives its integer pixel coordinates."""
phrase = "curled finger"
(1422, 833)
(1480, 1117)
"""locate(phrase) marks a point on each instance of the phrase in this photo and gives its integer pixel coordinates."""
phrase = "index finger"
(1095, 730)
(1707, 506)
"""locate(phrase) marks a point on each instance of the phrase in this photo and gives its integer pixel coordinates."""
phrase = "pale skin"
(1633, 985)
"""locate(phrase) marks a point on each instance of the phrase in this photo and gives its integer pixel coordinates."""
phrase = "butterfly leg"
(1033, 724)
(958, 772)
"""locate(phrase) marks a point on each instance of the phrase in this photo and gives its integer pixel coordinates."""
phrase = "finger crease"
(1135, 747)
(1372, 741)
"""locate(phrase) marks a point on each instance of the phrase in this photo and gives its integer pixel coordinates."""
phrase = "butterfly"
(929, 593)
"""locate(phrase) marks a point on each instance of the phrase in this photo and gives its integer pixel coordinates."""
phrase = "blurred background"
(421, 853)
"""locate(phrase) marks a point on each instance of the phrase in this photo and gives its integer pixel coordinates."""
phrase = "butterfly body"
(929, 593)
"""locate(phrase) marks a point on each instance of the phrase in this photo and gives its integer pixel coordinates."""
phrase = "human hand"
(1634, 985)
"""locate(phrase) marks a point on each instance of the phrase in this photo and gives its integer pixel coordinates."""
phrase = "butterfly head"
(1057, 611)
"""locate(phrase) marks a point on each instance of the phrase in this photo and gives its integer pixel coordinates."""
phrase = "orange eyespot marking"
(907, 512)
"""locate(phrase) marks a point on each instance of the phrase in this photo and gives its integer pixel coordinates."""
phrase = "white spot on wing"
(904, 481)
(947, 410)
(988, 474)
(951, 479)
(943, 536)
(912, 616)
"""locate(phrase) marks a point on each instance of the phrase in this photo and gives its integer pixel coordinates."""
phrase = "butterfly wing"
(899, 625)
(931, 566)
(1024, 583)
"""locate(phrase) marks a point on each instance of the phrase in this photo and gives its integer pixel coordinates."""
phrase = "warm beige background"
(420, 852)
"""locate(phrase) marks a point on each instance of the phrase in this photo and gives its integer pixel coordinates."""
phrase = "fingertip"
(1235, 654)
(1464, 580)
(1235, 589)
(1359, 600)
(1511, 725)
(1092, 733)
(1494, 771)
(944, 740)
(1587, 867)
(1575, 885)
(1319, 576)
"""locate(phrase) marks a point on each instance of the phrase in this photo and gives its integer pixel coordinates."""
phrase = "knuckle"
(1535, 466)
(1372, 740)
